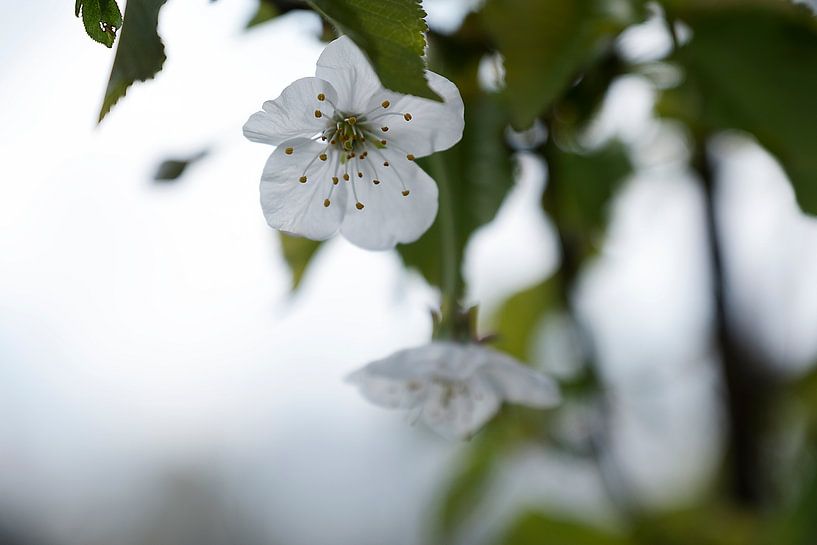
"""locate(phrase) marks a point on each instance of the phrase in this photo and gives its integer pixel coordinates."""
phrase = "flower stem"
(450, 257)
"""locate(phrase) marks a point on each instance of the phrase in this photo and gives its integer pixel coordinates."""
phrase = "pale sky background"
(149, 345)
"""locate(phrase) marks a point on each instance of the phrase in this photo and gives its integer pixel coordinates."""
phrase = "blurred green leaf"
(752, 66)
(518, 320)
(541, 529)
(172, 169)
(140, 54)
(298, 252)
(265, 12)
(798, 525)
(589, 180)
(707, 523)
(468, 485)
(547, 44)
(101, 19)
(391, 32)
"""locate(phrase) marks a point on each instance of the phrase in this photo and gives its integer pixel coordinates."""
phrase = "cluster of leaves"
(749, 66)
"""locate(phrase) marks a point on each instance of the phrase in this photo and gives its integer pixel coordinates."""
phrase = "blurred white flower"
(454, 387)
(345, 152)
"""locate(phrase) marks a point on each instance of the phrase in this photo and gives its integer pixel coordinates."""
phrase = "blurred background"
(163, 382)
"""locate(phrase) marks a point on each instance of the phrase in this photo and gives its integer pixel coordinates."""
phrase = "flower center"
(355, 149)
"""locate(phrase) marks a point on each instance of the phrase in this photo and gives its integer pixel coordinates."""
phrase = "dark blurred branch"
(747, 386)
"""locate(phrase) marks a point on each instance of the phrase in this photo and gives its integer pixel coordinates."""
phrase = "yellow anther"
(384, 129)
(321, 97)
(383, 142)
(302, 179)
(322, 157)
(410, 157)
(318, 113)
(289, 151)
(385, 103)
(326, 203)
(335, 180)
(407, 116)
(359, 205)
(346, 177)
(406, 192)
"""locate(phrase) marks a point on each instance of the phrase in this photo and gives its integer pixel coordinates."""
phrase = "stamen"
(302, 179)
(359, 174)
(383, 142)
(385, 103)
(410, 157)
(322, 157)
(335, 180)
(289, 151)
(318, 113)
(376, 181)
(384, 129)
(405, 190)
(359, 205)
(327, 202)
(321, 97)
(407, 116)
(346, 176)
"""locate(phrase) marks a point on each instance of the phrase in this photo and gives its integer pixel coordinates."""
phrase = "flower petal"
(345, 66)
(457, 411)
(398, 209)
(442, 360)
(296, 207)
(431, 126)
(518, 383)
(388, 392)
(292, 114)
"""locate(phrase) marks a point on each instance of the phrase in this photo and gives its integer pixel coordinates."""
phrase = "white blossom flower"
(345, 152)
(454, 387)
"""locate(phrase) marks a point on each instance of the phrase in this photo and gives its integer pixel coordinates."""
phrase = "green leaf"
(298, 252)
(140, 54)
(752, 66)
(172, 169)
(540, 529)
(479, 171)
(265, 12)
(547, 44)
(517, 322)
(589, 180)
(467, 487)
(391, 32)
(101, 19)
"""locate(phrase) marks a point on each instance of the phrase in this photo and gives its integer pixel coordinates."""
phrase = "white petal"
(295, 207)
(345, 66)
(457, 411)
(388, 216)
(292, 114)
(434, 126)
(518, 383)
(388, 392)
(440, 360)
